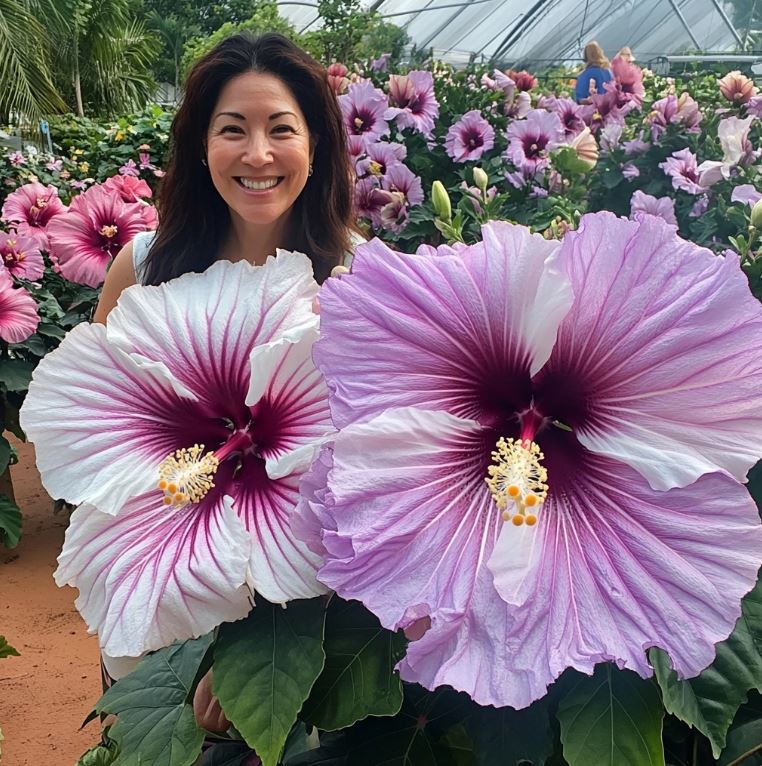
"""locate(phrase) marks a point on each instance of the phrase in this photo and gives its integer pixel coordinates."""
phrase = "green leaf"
(507, 737)
(745, 736)
(50, 330)
(155, 722)
(5, 453)
(612, 718)
(421, 734)
(100, 755)
(6, 650)
(264, 668)
(10, 522)
(15, 374)
(754, 484)
(710, 701)
(358, 679)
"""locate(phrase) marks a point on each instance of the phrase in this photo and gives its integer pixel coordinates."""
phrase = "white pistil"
(517, 480)
(186, 476)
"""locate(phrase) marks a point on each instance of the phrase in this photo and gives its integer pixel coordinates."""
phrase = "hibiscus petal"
(287, 389)
(151, 576)
(663, 342)
(439, 324)
(614, 567)
(101, 419)
(205, 325)
(282, 567)
(406, 528)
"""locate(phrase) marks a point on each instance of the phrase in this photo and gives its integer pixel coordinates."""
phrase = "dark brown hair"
(194, 219)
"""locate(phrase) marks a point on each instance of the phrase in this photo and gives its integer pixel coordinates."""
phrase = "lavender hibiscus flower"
(364, 107)
(183, 427)
(663, 207)
(469, 137)
(682, 169)
(414, 103)
(531, 140)
(596, 387)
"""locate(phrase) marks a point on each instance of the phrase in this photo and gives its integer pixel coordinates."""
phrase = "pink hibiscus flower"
(21, 256)
(31, 208)
(129, 188)
(99, 223)
(18, 311)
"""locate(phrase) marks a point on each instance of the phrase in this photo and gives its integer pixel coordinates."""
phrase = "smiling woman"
(259, 162)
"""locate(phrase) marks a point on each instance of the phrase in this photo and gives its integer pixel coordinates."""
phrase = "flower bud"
(441, 201)
(756, 215)
(481, 179)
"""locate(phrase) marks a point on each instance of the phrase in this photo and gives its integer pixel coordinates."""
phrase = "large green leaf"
(6, 650)
(100, 755)
(507, 737)
(358, 679)
(10, 522)
(15, 374)
(427, 731)
(264, 668)
(612, 718)
(710, 701)
(153, 704)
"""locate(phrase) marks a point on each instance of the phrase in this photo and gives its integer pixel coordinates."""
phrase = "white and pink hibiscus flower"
(531, 140)
(31, 208)
(541, 452)
(182, 428)
(413, 103)
(18, 311)
(363, 107)
(21, 256)
(672, 110)
(737, 151)
(97, 225)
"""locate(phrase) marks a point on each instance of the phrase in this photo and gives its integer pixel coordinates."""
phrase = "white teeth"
(258, 185)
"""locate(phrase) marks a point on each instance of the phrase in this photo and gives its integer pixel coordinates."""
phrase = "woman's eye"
(231, 129)
(283, 129)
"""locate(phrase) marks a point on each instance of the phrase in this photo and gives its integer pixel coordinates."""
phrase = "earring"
(309, 171)
(203, 161)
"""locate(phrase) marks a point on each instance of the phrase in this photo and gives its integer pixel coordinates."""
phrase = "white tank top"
(142, 243)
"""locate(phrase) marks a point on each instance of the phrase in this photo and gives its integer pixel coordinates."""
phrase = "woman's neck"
(254, 242)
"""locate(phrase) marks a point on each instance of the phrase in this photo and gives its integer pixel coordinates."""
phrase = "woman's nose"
(258, 151)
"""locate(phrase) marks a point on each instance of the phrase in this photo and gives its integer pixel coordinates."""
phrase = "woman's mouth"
(258, 184)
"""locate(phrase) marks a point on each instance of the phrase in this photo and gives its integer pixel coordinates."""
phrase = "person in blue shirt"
(597, 71)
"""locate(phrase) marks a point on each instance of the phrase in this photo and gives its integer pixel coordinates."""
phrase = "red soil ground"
(47, 692)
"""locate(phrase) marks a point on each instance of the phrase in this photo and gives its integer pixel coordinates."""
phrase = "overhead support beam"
(728, 22)
(683, 21)
(513, 35)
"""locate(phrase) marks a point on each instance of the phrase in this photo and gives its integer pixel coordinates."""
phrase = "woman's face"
(258, 148)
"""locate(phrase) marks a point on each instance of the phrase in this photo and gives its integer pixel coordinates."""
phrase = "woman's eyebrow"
(280, 114)
(236, 115)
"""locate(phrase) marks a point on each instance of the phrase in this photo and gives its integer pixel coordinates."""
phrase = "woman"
(258, 162)
(597, 72)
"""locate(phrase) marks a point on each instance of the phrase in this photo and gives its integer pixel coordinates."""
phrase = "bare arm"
(120, 276)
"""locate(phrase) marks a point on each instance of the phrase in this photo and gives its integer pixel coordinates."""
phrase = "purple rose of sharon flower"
(681, 167)
(469, 137)
(608, 386)
(183, 427)
(363, 107)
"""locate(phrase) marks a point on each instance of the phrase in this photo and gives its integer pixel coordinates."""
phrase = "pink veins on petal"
(642, 392)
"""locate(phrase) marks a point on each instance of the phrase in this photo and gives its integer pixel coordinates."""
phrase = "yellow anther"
(186, 475)
(517, 480)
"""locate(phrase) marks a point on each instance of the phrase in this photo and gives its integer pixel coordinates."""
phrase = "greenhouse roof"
(550, 31)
